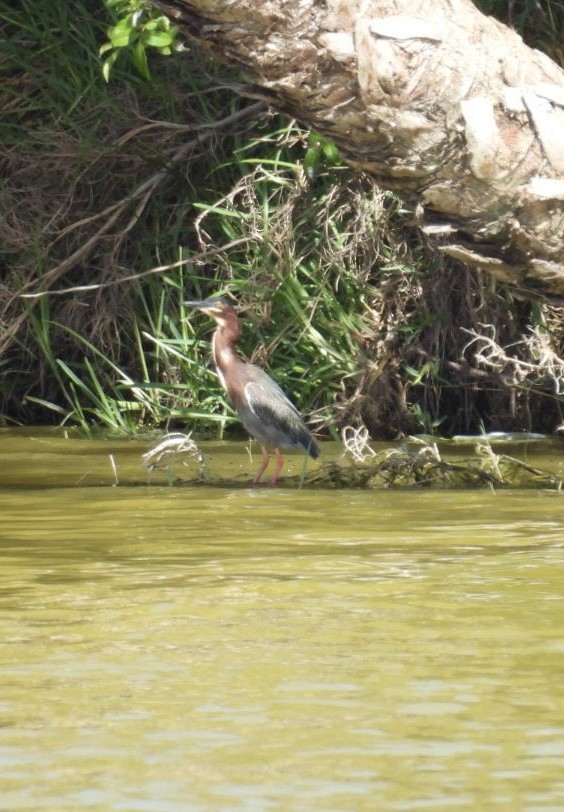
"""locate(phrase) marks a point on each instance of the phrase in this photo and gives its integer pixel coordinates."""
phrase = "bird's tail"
(312, 448)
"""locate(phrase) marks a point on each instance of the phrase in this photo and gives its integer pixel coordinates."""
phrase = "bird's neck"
(224, 351)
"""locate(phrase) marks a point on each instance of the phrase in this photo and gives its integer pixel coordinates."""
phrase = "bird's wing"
(269, 403)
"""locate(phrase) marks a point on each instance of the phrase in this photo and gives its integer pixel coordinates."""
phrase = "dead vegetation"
(413, 464)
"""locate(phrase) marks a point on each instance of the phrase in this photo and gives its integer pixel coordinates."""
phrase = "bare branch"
(202, 255)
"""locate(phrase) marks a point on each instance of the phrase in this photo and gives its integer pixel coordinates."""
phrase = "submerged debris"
(357, 443)
(415, 464)
(511, 472)
(423, 466)
(174, 448)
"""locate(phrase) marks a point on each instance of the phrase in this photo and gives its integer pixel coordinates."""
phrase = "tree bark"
(435, 100)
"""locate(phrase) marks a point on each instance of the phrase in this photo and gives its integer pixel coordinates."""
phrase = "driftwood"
(433, 99)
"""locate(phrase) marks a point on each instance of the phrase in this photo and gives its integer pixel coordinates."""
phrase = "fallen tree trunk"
(433, 99)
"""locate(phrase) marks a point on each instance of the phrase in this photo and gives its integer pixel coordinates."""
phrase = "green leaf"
(106, 69)
(108, 64)
(140, 60)
(331, 152)
(157, 39)
(121, 34)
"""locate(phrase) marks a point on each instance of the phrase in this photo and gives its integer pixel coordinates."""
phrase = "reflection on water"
(192, 649)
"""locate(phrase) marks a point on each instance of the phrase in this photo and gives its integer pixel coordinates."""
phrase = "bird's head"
(220, 310)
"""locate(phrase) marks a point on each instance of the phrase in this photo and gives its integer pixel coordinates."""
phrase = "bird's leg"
(262, 467)
(277, 466)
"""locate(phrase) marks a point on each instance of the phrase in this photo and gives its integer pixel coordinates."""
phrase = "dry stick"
(144, 191)
(131, 277)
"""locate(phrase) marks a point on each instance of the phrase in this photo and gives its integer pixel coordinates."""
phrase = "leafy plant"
(138, 27)
(321, 152)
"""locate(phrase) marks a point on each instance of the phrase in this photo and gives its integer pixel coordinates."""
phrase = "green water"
(172, 649)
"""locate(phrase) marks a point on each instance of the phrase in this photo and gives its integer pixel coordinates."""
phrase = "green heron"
(265, 411)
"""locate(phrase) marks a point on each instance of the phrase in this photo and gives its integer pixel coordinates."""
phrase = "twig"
(114, 469)
(131, 277)
(141, 194)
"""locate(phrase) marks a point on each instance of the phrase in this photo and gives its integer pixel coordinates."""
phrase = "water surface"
(192, 648)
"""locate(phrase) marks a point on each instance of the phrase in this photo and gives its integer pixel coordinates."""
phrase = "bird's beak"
(203, 304)
(207, 306)
(213, 307)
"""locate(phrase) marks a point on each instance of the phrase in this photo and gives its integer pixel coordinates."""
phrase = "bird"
(265, 411)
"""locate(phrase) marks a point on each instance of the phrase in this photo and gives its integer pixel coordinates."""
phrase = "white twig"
(356, 442)
(172, 448)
